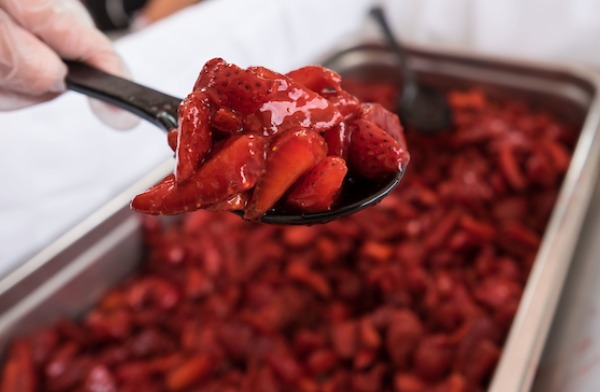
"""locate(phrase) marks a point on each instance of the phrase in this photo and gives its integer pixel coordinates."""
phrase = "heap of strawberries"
(416, 294)
(254, 139)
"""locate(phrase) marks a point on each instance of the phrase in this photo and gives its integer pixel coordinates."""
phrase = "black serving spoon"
(419, 106)
(161, 110)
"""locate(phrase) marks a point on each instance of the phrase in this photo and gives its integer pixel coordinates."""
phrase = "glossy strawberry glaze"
(234, 170)
(295, 107)
(228, 101)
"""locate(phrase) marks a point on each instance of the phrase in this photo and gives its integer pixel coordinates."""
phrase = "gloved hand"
(34, 36)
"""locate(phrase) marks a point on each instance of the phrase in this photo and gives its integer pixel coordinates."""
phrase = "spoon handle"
(149, 104)
(407, 73)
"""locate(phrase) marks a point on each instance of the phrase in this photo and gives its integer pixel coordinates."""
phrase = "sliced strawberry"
(235, 168)
(99, 379)
(267, 73)
(234, 203)
(385, 120)
(19, 374)
(194, 138)
(294, 105)
(192, 371)
(337, 139)
(318, 189)
(290, 156)
(207, 73)
(172, 137)
(316, 78)
(347, 104)
(230, 86)
(227, 121)
(253, 124)
(374, 153)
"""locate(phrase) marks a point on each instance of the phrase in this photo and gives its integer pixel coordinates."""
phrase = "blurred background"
(122, 16)
(556, 29)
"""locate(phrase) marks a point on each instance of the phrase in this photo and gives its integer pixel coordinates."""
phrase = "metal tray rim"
(523, 348)
(590, 75)
(15, 276)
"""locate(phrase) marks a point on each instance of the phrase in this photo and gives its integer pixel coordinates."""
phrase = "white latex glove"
(34, 36)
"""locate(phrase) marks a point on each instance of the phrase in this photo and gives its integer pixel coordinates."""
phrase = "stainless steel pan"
(68, 276)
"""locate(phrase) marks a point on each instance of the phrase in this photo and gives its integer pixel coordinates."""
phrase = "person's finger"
(27, 65)
(113, 116)
(66, 27)
(11, 100)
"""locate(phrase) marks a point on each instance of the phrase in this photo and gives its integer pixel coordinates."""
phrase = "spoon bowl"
(161, 110)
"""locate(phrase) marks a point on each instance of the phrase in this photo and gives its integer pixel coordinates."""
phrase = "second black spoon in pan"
(161, 110)
(420, 107)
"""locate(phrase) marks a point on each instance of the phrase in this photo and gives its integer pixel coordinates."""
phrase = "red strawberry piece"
(344, 338)
(327, 83)
(267, 73)
(347, 104)
(433, 357)
(172, 137)
(104, 326)
(408, 382)
(337, 139)
(43, 343)
(194, 138)
(290, 156)
(190, 372)
(19, 374)
(285, 366)
(152, 201)
(385, 120)
(60, 360)
(318, 189)
(68, 375)
(294, 105)
(207, 73)
(316, 78)
(99, 379)
(373, 153)
(235, 168)
(404, 332)
(234, 203)
(228, 85)
(321, 361)
(252, 123)
(227, 121)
